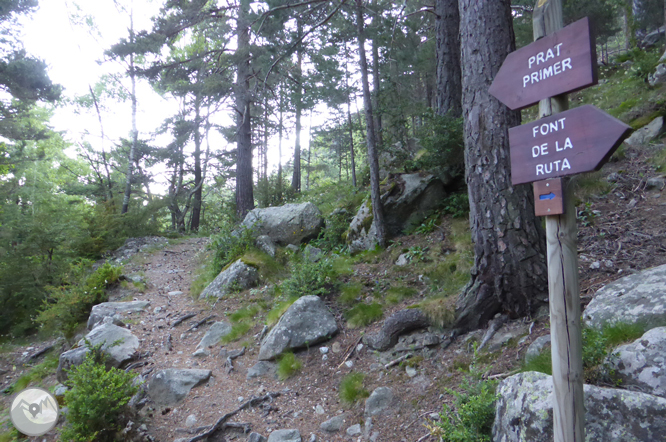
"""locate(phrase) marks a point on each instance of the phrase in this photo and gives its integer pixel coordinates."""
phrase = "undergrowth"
(35, 375)
(288, 365)
(351, 389)
(363, 314)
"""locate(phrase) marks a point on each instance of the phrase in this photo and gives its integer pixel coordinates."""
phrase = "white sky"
(72, 55)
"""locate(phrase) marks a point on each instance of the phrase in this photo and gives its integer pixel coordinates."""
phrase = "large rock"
(214, 334)
(285, 436)
(170, 386)
(647, 133)
(653, 38)
(266, 245)
(659, 75)
(288, 224)
(69, 359)
(524, 412)
(118, 343)
(638, 298)
(110, 309)
(407, 199)
(379, 401)
(305, 323)
(237, 276)
(642, 363)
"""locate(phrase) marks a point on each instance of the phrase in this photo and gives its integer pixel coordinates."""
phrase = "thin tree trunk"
(280, 126)
(296, 179)
(196, 206)
(135, 133)
(509, 273)
(449, 82)
(375, 93)
(349, 119)
(244, 190)
(375, 196)
(307, 176)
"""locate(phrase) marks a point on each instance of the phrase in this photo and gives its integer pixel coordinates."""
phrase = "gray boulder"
(635, 298)
(256, 437)
(647, 133)
(659, 75)
(306, 322)
(170, 386)
(261, 369)
(285, 436)
(288, 224)
(266, 245)
(524, 412)
(69, 359)
(118, 343)
(110, 309)
(407, 199)
(312, 254)
(642, 363)
(653, 38)
(537, 347)
(334, 424)
(238, 275)
(213, 335)
(379, 401)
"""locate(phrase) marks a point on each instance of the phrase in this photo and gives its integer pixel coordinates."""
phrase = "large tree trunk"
(509, 274)
(375, 196)
(449, 83)
(198, 184)
(244, 190)
(296, 180)
(135, 133)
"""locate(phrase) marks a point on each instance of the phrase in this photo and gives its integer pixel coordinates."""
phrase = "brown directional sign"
(562, 62)
(575, 141)
(548, 197)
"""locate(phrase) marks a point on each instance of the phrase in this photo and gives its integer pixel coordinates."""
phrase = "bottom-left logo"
(34, 411)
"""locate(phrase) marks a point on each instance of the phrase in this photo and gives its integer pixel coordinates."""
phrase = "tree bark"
(375, 93)
(135, 133)
(296, 179)
(375, 196)
(280, 125)
(509, 273)
(449, 82)
(244, 182)
(196, 205)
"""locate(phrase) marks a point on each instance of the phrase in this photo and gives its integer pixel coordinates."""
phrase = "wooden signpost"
(563, 142)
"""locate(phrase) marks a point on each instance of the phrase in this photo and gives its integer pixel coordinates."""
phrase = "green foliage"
(416, 253)
(71, 302)
(229, 245)
(440, 311)
(351, 389)
(97, 401)
(268, 267)
(398, 294)
(363, 314)
(242, 321)
(644, 62)
(237, 331)
(456, 205)
(278, 310)
(334, 235)
(427, 226)
(36, 373)
(308, 278)
(349, 293)
(288, 365)
(443, 143)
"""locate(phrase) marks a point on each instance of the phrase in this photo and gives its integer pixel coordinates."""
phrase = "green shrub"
(333, 236)
(237, 331)
(443, 144)
(351, 389)
(97, 401)
(398, 294)
(70, 303)
(228, 246)
(456, 205)
(363, 314)
(288, 365)
(308, 278)
(349, 293)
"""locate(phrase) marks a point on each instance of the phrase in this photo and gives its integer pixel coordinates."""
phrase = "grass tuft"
(349, 293)
(288, 365)
(363, 314)
(398, 294)
(351, 389)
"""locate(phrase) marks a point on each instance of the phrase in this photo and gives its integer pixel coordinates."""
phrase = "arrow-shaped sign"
(549, 196)
(575, 141)
(562, 62)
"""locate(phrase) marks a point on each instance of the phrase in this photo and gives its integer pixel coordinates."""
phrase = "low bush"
(70, 303)
(308, 278)
(229, 245)
(351, 389)
(97, 401)
(363, 314)
(288, 365)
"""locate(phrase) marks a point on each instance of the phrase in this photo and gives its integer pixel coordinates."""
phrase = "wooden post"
(564, 293)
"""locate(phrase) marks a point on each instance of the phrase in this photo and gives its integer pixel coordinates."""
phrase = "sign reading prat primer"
(562, 62)
(575, 141)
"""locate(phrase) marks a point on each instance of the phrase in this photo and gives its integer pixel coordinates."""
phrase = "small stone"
(324, 358)
(319, 409)
(613, 177)
(411, 371)
(333, 424)
(349, 364)
(595, 265)
(157, 309)
(354, 430)
(293, 248)
(336, 348)
(200, 353)
(256, 437)
(323, 350)
(180, 352)
(175, 293)
(657, 182)
(240, 398)
(402, 260)
(359, 347)
(190, 421)
(632, 203)
(313, 438)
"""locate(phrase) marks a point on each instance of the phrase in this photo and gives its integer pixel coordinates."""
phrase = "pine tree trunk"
(509, 273)
(296, 179)
(375, 93)
(280, 148)
(375, 196)
(449, 83)
(198, 184)
(244, 190)
(135, 133)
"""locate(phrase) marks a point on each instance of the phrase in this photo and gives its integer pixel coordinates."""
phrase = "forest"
(268, 66)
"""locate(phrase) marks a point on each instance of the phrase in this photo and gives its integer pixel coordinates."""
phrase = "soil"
(621, 231)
